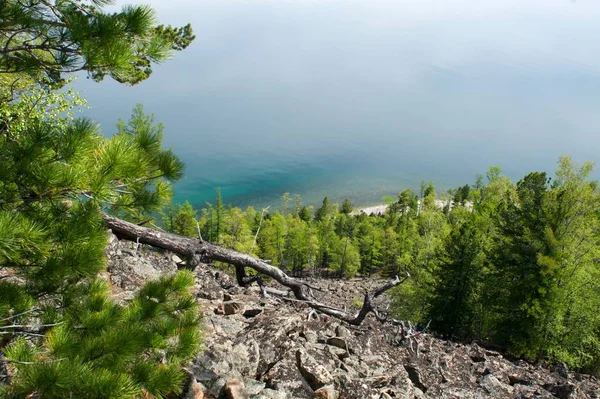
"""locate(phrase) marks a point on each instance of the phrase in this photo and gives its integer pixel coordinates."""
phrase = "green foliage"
(324, 211)
(455, 309)
(44, 40)
(58, 173)
(510, 264)
(518, 269)
(100, 349)
(180, 219)
(347, 207)
(62, 333)
(546, 267)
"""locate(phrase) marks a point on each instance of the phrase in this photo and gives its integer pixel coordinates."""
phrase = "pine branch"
(21, 314)
(17, 326)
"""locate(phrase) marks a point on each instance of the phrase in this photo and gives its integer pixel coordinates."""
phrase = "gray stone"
(235, 389)
(339, 342)
(495, 387)
(272, 394)
(315, 374)
(254, 387)
(176, 259)
(343, 332)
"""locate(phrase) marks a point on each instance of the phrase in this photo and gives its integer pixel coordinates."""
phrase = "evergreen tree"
(298, 204)
(285, 203)
(546, 256)
(62, 334)
(324, 211)
(304, 214)
(57, 176)
(46, 40)
(346, 207)
(181, 219)
(99, 349)
(456, 303)
(219, 216)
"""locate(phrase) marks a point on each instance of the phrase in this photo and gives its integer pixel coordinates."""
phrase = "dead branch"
(193, 248)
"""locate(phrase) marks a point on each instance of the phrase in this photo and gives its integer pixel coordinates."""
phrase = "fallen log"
(193, 249)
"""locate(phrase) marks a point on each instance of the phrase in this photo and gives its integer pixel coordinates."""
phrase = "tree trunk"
(192, 249)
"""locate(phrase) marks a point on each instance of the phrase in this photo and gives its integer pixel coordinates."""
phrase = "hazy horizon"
(360, 99)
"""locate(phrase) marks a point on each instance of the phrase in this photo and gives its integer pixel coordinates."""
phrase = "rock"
(176, 259)
(250, 313)
(230, 307)
(340, 343)
(244, 357)
(337, 352)
(272, 394)
(494, 387)
(315, 374)
(327, 392)
(477, 354)
(235, 389)
(562, 391)
(310, 336)
(562, 369)
(415, 376)
(254, 387)
(273, 351)
(342, 332)
(193, 389)
(217, 388)
(233, 308)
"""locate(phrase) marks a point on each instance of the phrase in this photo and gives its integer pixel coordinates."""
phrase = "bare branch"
(190, 248)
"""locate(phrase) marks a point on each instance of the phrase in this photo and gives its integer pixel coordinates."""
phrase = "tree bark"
(192, 248)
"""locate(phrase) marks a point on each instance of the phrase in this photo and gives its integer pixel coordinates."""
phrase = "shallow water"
(360, 99)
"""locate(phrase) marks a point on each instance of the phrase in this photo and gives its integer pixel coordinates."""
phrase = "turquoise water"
(356, 99)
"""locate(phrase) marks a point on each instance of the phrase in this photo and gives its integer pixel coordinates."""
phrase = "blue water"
(359, 99)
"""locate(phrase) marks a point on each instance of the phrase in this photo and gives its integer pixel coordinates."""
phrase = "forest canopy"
(512, 264)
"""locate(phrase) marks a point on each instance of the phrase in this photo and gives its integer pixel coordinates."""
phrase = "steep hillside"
(270, 348)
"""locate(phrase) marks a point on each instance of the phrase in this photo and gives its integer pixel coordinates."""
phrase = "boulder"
(230, 307)
(314, 373)
(235, 389)
(326, 392)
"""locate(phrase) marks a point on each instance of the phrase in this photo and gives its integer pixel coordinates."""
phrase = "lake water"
(359, 99)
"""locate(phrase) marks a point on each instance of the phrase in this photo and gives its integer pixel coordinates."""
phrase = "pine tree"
(324, 210)
(219, 216)
(546, 267)
(46, 40)
(181, 219)
(346, 207)
(57, 176)
(456, 303)
(62, 335)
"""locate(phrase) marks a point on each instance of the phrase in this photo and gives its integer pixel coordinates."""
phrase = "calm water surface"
(360, 99)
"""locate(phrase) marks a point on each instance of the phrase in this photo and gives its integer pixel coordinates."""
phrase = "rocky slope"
(265, 348)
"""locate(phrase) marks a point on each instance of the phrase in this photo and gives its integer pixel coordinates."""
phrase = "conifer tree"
(62, 334)
(47, 40)
(346, 207)
(219, 216)
(324, 210)
(546, 267)
(181, 219)
(456, 303)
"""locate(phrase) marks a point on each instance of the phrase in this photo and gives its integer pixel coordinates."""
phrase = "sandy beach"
(377, 209)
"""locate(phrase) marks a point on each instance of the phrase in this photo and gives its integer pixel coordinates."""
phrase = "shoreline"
(381, 208)
(371, 209)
